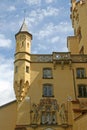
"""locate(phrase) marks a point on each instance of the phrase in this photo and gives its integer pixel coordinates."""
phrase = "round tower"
(22, 62)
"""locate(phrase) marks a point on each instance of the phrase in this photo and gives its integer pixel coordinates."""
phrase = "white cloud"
(46, 31)
(6, 92)
(4, 42)
(12, 8)
(49, 1)
(51, 29)
(55, 39)
(64, 49)
(38, 15)
(50, 11)
(6, 80)
(33, 2)
(38, 2)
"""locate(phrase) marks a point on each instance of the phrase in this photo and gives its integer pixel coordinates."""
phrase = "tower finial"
(24, 14)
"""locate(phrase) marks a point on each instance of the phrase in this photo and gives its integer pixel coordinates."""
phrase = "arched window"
(47, 90)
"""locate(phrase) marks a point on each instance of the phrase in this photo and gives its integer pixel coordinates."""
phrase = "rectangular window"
(82, 90)
(80, 72)
(47, 73)
(47, 90)
(27, 69)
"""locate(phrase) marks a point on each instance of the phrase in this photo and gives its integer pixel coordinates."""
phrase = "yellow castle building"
(51, 89)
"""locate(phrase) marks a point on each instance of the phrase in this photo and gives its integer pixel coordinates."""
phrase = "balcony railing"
(61, 56)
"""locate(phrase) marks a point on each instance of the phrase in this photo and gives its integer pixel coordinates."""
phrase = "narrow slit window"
(27, 69)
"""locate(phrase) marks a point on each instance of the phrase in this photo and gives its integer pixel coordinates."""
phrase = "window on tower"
(28, 44)
(22, 44)
(27, 69)
(82, 90)
(47, 73)
(80, 72)
(47, 90)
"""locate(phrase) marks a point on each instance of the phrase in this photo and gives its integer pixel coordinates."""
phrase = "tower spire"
(24, 27)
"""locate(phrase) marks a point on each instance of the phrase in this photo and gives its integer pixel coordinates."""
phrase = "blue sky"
(47, 20)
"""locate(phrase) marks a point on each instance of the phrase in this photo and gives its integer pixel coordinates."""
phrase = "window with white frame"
(80, 72)
(47, 73)
(82, 90)
(47, 90)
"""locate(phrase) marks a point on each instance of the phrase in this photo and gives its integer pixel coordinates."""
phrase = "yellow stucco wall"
(64, 80)
(8, 115)
(79, 20)
(80, 123)
(59, 75)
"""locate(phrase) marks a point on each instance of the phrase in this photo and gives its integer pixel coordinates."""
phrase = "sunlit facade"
(51, 89)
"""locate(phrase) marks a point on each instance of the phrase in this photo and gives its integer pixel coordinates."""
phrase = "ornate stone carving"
(45, 110)
(34, 114)
(63, 114)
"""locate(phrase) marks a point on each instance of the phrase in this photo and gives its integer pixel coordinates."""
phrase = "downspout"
(74, 83)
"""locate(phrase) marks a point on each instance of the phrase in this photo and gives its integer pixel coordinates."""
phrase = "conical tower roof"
(24, 27)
